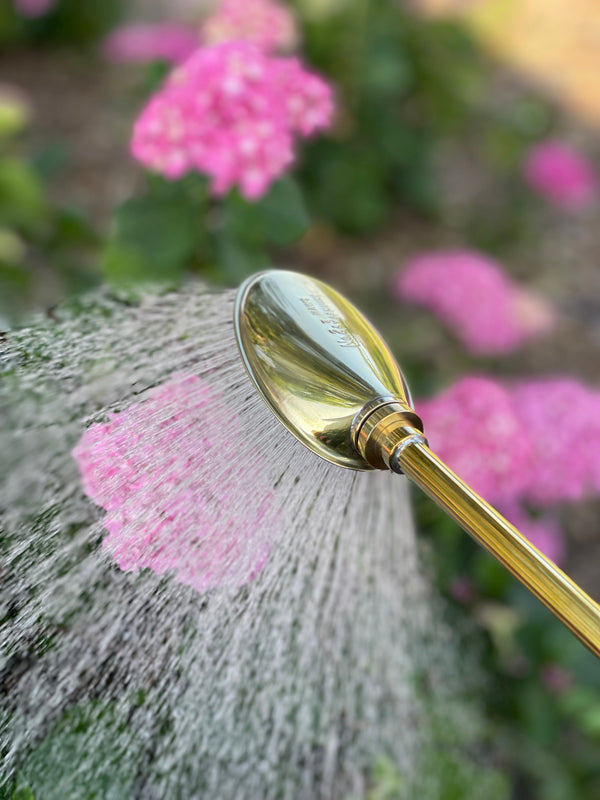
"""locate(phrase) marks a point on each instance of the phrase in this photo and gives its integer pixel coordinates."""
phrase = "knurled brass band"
(384, 430)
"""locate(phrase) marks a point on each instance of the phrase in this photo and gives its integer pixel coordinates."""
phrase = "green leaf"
(387, 71)
(284, 213)
(388, 782)
(236, 260)
(280, 217)
(350, 189)
(590, 720)
(72, 227)
(22, 790)
(89, 753)
(50, 159)
(22, 202)
(153, 239)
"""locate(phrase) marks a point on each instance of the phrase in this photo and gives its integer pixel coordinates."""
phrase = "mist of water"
(233, 617)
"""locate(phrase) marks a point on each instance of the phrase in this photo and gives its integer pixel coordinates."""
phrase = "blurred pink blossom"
(231, 112)
(265, 23)
(556, 678)
(474, 428)
(462, 590)
(536, 442)
(543, 532)
(147, 467)
(145, 42)
(562, 418)
(562, 175)
(34, 8)
(472, 295)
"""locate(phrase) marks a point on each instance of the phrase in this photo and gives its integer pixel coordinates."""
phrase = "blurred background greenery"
(438, 105)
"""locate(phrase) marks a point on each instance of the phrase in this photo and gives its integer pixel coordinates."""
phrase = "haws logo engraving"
(320, 307)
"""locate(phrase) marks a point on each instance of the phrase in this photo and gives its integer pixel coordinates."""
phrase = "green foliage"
(40, 242)
(443, 773)
(89, 754)
(72, 22)
(279, 218)
(22, 790)
(22, 200)
(402, 85)
(450, 776)
(548, 733)
(177, 227)
(387, 781)
(152, 240)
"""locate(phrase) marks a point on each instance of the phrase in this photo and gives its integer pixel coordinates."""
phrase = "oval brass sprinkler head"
(331, 380)
(323, 369)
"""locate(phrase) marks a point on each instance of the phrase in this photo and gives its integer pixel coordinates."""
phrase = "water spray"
(331, 380)
(188, 619)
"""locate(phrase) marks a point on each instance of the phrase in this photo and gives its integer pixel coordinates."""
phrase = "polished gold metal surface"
(382, 432)
(318, 363)
(540, 575)
(329, 378)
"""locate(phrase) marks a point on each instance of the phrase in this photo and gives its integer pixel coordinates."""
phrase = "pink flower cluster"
(473, 427)
(562, 419)
(543, 532)
(34, 8)
(145, 42)
(265, 23)
(487, 311)
(159, 470)
(536, 443)
(556, 171)
(231, 112)
(556, 678)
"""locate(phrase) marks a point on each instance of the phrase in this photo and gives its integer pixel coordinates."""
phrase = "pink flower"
(34, 8)
(308, 100)
(474, 428)
(559, 173)
(473, 296)
(543, 532)
(146, 42)
(231, 112)
(562, 419)
(143, 466)
(462, 590)
(265, 23)
(536, 443)
(556, 678)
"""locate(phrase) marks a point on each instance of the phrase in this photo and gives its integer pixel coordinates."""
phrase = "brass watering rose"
(330, 379)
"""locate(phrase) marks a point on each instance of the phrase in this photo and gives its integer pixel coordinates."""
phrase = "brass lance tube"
(489, 528)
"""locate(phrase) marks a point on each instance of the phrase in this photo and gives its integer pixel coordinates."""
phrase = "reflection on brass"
(382, 432)
(316, 361)
(330, 379)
